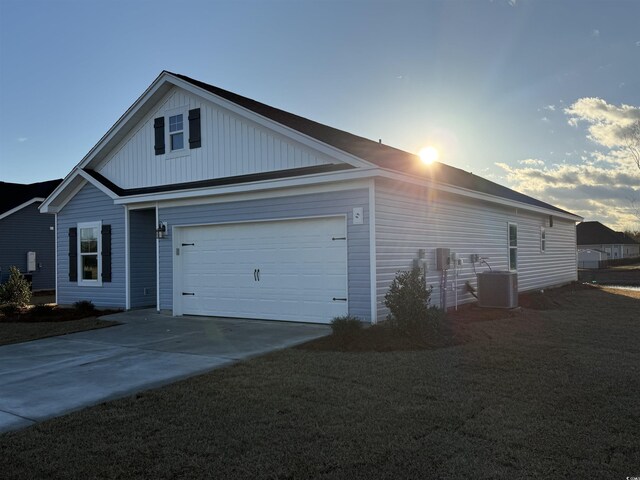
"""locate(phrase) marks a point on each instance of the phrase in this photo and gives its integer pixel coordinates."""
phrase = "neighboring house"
(265, 214)
(596, 236)
(24, 229)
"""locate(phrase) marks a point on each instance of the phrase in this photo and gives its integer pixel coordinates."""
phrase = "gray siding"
(142, 258)
(409, 218)
(333, 203)
(28, 230)
(90, 205)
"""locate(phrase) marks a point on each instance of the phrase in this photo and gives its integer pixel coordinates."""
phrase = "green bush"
(85, 306)
(16, 291)
(408, 301)
(346, 326)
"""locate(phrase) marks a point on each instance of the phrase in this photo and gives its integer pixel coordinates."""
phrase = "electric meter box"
(442, 258)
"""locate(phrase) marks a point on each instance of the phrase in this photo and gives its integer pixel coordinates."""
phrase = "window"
(89, 253)
(543, 239)
(181, 127)
(176, 132)
(513, 246)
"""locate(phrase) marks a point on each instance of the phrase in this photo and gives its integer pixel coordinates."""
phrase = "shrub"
(84, 306)
(16, 291)
(346, 326)
(408, 301)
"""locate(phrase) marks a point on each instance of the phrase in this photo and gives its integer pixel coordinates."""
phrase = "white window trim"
(543, 239)
(184, 111)
(509, 247)
(81, 281)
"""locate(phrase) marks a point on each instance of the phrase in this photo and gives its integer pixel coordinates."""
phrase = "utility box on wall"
(442, 258)
(31, 262)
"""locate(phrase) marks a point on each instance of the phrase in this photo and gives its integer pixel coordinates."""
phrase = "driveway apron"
(49, 377)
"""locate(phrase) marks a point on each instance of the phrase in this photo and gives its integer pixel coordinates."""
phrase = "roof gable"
(337, 144)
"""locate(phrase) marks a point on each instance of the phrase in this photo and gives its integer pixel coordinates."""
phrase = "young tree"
(631, 141)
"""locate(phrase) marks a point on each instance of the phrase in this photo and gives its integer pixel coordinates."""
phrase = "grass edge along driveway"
(542, 394)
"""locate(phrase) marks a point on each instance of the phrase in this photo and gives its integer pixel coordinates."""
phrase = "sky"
(532, 94)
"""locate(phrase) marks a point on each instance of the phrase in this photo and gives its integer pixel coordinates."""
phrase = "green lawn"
(540, 394)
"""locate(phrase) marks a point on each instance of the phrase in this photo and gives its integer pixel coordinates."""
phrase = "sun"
(428, 155)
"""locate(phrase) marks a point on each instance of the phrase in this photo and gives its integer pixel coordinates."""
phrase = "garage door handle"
(339, 299)
(255, 274)
(188, 293)
(258, 274)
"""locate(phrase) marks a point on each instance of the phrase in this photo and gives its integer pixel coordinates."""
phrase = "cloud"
(545, 119)
(532, 161)
(607, 123)
(638, 43)
(512, 3)
(22, 139)
(595, 33)
(601, 190)
(551, 108)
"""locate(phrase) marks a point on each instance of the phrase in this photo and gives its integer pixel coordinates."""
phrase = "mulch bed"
(382, 338)
(43, 321)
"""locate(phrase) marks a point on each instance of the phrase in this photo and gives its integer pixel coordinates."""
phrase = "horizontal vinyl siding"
(409, 218)
(231, 145)
(28, 230)
(142, 258)
(334, 203)
(91, 205)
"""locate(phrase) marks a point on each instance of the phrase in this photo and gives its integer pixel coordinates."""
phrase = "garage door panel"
(302, 265)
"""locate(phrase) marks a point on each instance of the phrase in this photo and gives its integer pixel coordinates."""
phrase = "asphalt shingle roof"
(594, 233)
(15, 194)
(379, 154)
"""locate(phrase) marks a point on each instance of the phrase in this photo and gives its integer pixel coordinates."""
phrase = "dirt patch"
(622, 275)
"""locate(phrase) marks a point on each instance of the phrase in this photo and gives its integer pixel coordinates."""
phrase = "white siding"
(409, 218)
(231, 145)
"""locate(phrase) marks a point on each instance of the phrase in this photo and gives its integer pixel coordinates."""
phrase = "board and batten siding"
(299, 206)
(409, 218)
(28, 230)
(91, 205)
(231, 145)
(142, 258)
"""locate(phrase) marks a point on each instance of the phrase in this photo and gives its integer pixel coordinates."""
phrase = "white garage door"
(279, 270)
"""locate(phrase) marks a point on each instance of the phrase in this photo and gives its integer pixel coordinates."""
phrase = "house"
(27, 238)
(596, 236)
(200, 201)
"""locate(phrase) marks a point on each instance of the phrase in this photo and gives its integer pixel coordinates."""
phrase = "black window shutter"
(106, 253)
(194, 128)
(158, 126)
(73, 254)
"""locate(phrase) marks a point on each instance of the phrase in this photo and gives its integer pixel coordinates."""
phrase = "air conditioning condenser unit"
(498, 289)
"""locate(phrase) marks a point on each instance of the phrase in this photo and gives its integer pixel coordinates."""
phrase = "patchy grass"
(538, 393)
(42, 321)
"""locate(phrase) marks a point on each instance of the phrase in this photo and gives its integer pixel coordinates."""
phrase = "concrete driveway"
(47, 378)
